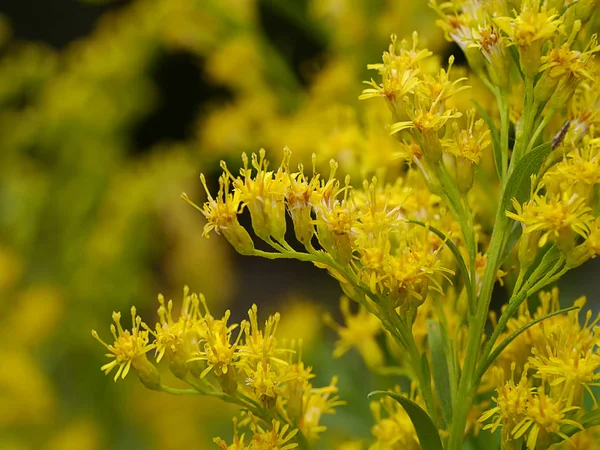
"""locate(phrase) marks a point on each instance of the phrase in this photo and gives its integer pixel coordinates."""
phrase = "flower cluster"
(496, 191)
(361, 235)
(241, 363)
(552, 366)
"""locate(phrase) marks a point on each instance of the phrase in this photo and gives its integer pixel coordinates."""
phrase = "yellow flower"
(398, 71)
(263, 194)
(266, 384)
(217, 349)
(170, 334)
(567, 355)
(316, 403)
(129, 347)
(511, 401)
(559, 217)
(221, 215)
(469, 142)
(261, 345)
(278, 437)
(563, 69)
(529, 30)
(360, 330)
(393, 427)
(544, 416)
(592, 242)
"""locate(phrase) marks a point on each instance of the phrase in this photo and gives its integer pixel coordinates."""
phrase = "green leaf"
(496, 352)
(439, 365)
(428, 434)
(495, 138)
(588, 420)
(518, 186)
(513, 237)
(515, 55)
(455, 251)
(519, 182)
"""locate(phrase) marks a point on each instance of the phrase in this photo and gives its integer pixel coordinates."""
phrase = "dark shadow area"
(182, 90)
(55, 22)
(296, 45)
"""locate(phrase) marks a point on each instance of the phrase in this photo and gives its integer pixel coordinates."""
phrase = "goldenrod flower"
(543, 417)
(559, 217)
(266, 384)
(467, 146)
(592, 242)
(511, 401)
(563, 68)
(360, 330)
(221, 214)
(261, 345)
(492, 44)
(216, 347)
(278, 436)
(318, 402)
(129, 348)
(393, 428)
(398, 71)
(263, 194)
(567, 355)
(529, 30)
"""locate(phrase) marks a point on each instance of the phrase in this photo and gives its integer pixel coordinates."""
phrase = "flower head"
(129, 347)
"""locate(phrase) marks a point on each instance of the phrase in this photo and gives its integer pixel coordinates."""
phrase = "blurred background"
(108, 110)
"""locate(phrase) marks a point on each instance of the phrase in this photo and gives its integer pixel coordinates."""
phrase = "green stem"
(547, 118)
(477, 322)
(176, 391)
(415, 359)
(526, 123)
(503, 106)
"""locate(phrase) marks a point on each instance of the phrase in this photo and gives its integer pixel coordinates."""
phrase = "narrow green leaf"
(428, 434)
(513, 237)
(425, 368)
(453, 248)
(515, 55)
(494, 354)
(588, 420)
(518, 186)
(439, 366)
(497, 148)
(519, 182)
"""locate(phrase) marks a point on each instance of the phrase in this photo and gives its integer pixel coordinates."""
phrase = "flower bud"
(227, 381)
(239, 238)
(464, 174)
(565, 240)
(545, 87)
(343, 248)
(294, 405)
(531, 57)
(178, 365)
(303, 226)
(432, 146)
(275, 211)
(578, 255)
(146, 372)
(528, 249)
(475, 59)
